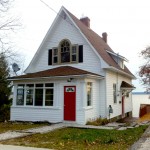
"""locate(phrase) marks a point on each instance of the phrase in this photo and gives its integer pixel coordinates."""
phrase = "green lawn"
(4, 127)
(82, 139)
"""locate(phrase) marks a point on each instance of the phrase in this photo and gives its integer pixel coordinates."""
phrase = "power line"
(57, 13)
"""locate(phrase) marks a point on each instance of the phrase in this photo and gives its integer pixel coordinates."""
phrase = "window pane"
(29, 97)
(65, 57)
(114, 93)
(73, 57)
(89, 94)
(38, 97)
(48, 103)
(49, 91)
(65, 51)
(55, 59)
(55, 52)
(74, 50)
(39, 85)
(20, 97)
(49, 97)
(29, 85)
(49, 84)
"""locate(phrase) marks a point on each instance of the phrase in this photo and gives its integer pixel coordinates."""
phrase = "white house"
(74, 76)
(138, 99)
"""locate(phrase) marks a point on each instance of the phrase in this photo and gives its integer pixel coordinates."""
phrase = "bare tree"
(144, 71)
(8, 25)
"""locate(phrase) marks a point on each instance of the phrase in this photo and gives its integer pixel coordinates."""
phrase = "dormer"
(118, 58)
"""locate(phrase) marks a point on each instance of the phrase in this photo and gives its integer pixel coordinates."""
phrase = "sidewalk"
(11, 147)
(143, 143)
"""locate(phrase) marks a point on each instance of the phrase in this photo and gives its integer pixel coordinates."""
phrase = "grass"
(4, 127)
(82, 139)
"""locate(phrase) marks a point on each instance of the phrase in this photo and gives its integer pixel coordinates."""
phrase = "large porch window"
(35, 94)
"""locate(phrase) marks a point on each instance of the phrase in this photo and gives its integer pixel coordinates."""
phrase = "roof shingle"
(55, 72)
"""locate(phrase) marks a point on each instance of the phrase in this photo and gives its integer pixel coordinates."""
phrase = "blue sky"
(126, 22)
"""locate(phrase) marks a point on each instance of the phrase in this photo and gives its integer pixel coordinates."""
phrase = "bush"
(98, 121)
(5, 112)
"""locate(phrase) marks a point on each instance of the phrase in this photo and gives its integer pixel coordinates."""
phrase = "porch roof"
(62, 71)
(125, 85)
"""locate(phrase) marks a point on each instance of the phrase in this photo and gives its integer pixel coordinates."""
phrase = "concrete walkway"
(11, 147)
(143, 143)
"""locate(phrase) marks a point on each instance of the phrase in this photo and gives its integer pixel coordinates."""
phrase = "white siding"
(112, 77)
(56, 113)
(93, 112)
(36, 114)
(138, 99)
(64, 30)
(102, 97)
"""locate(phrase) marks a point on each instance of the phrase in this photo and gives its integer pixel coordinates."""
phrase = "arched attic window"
(65, 51)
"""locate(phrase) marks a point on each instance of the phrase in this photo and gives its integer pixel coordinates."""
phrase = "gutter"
(59, 77)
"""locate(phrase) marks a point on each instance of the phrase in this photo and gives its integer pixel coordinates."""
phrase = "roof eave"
(121, 72)
(60, 77)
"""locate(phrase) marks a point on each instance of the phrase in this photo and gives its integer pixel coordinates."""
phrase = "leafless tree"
(144, 71)
(8, 25)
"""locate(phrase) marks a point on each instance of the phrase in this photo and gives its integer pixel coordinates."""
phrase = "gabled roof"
(57, 72)
(98, 43)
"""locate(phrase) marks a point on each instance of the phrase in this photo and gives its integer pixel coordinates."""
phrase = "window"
(55, 56)
(29, 94)
(35, 94)
(114, 93)
(20, 94)
(74, 54)
(89, 94)
(49, 97)
(65, 53)
(49, 94)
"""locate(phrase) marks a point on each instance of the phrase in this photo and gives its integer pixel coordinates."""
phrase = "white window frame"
(71, 53)
(34, 88)
(89, 86)
(114, 93)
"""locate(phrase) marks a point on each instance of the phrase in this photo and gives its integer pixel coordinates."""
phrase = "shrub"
(98, 121)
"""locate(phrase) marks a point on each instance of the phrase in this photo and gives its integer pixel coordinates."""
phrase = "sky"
(127, 23)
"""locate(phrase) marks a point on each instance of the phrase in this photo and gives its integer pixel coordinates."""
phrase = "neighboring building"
(74, 76)
(139, 100)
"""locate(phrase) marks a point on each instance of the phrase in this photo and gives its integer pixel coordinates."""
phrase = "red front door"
(70, 103)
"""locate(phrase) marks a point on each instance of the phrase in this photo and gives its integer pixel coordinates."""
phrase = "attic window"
(65, 53)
